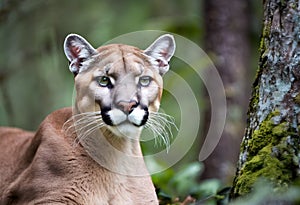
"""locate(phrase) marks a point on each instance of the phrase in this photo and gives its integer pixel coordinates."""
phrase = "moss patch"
(270, 155)
(265, 34)
(297, 99)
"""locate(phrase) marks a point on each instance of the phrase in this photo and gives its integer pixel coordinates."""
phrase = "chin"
(126, 129)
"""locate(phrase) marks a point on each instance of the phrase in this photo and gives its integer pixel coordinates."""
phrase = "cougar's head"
(119, 83)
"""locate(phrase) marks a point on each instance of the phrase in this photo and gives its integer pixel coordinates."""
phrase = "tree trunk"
(271, 144)
(227, 42)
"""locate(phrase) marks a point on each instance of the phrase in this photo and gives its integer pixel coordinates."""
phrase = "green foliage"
(173, 184)
(210, 192)
(263, 193)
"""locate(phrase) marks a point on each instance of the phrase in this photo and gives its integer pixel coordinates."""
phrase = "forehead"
(117, 59)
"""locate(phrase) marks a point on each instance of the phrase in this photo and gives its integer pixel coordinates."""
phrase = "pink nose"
(126, 106)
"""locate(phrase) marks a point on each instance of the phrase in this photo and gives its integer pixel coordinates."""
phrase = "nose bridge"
(126, 91)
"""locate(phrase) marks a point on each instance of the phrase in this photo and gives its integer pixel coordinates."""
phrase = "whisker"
(159, 130)
(73, 118)
(87, 113)
(83, 124)
(86, 133)
(165, 118)
(161, 126)
(82, 116)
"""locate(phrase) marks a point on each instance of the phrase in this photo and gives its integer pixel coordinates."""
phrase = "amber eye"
(145, 81)
(104, 81)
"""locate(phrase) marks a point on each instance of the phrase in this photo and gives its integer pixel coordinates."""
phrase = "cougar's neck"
(120, 155)
(128, 145)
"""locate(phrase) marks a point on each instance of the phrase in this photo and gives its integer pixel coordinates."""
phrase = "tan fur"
(51, 167)
(46, 168)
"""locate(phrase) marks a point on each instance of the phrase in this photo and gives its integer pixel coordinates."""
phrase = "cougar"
(90, 154)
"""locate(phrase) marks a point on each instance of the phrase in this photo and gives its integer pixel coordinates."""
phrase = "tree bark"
(271, 143)
(227, 42)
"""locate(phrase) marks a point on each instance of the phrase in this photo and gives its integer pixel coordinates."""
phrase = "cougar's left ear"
(161, 50)
(77, 50)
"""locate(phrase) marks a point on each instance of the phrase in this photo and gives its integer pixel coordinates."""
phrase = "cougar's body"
(45, 168)
(90, 154)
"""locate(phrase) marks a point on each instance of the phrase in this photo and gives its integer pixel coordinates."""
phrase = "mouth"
(124, 124)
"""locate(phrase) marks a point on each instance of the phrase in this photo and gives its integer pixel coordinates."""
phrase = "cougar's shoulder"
(35, 165)
(13, 145)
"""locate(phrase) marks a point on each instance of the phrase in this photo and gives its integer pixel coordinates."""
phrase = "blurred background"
(35, 79)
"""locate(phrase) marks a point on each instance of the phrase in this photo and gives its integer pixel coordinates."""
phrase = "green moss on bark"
(269, 156)
(271, 144)
(265, 35)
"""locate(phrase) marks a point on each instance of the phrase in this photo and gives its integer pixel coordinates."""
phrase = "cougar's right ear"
(161, 51)
(77, 50)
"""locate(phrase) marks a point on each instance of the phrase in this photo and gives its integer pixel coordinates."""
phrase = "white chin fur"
(126, 130)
